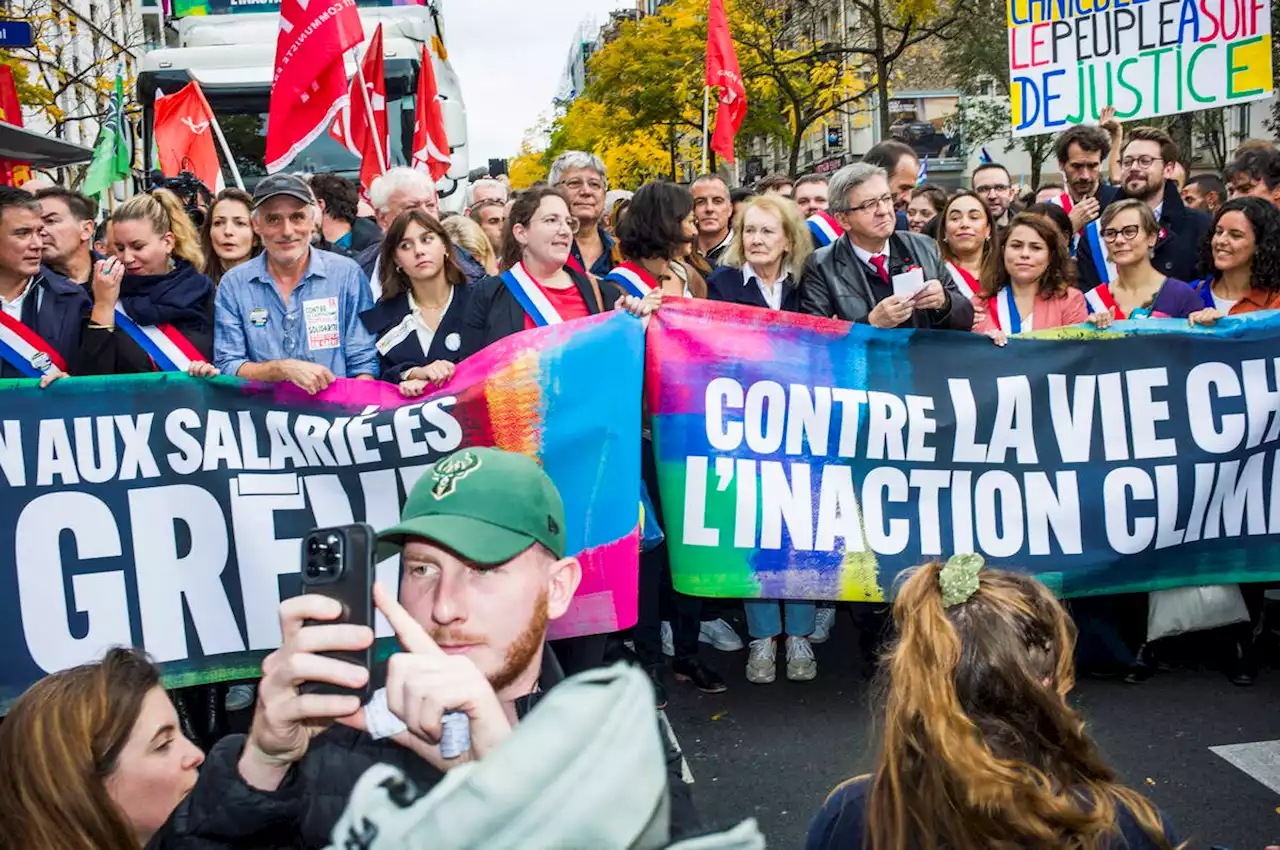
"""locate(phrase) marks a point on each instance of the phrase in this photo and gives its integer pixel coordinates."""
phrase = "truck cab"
(232, 56)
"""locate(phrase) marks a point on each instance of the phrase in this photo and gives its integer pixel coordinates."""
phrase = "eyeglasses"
(873, 204)
(578, 183)
(1140, 161)
(987, 190)
(556, 222)
(1111, 234)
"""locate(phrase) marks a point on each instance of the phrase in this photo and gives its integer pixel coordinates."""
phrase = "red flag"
(184, 136)
(310, 84)
(723, 71)
(430, 142)
(12, 172)
(371, 147)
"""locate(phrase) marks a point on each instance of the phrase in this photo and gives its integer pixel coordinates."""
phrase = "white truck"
(231, 53)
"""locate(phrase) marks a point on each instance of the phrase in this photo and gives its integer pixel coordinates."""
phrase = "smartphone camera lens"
(323, 557)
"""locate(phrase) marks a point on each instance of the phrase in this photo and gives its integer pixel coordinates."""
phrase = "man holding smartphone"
(483, 571)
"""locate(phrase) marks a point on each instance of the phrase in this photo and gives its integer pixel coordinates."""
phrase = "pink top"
(1055, 312)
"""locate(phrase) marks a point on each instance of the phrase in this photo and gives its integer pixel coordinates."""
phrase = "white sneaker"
(721, 635)
(668, 642)
(822, 624)
(801, 665)
(762, 665)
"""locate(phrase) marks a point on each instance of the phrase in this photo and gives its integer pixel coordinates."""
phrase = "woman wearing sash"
(1240, 261)
(152, 302)
(1139, 290)
(964, 240)
(654, 239)
(228, 235)
(537, 286)
(1029, 285)
(419, 318)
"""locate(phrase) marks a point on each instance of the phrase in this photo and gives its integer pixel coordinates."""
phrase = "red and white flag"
(184, 136)
(723, 71)
(351, 127)
(309, 85)
(431, 150)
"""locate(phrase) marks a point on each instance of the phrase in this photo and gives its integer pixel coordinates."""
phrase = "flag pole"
(226, 151)
(368, 117)
(706, 111)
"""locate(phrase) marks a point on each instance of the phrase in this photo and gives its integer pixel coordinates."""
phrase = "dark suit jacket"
(407, 353)
(1177, 251)
(60, 318)
(727, 284)
(495, 313)
(835, 283)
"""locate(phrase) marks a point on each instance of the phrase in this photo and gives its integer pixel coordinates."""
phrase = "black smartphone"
(339, 563)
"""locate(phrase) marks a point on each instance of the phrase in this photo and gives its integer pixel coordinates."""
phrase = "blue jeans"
(764, 617)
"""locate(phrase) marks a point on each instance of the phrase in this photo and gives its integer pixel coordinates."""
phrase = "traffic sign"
(15, 34)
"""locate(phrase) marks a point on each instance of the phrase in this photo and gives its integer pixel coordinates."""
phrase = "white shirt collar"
(14, 307)
(749, 273)
(1157, 210)
(866, 256)
(414, 307)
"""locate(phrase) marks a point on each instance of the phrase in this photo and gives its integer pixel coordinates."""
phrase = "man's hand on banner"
(202, 369)
(890, 312)
(932, 297)
(1084, 212)
(286, 720)
(310, 377)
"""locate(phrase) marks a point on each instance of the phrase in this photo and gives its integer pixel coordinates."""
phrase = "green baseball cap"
(487, 505)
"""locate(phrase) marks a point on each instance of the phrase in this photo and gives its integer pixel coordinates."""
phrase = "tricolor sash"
(633, 279)
(26, 350)
(1007, 316)
(825, 228)
(1101, 261)
(530, 295)
(164, 344)
(965, 282)
(1100, 300)
(1205, 290)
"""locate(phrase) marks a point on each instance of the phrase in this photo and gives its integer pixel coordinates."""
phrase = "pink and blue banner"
(167, 512)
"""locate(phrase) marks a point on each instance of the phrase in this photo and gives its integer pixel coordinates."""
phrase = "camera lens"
(314, 571)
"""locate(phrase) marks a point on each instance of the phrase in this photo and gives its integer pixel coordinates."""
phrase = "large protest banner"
(1069, 59)
(802, 458)
(167, 512)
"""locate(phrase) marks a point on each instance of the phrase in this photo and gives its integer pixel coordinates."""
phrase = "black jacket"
(223, 812)
(726, 284)
(57, 313)
(387, 315)
(495, 313)
(1177, 250)
(182, 297)
(837, 284)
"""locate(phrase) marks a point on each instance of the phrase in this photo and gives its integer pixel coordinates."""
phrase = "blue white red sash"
(1007, 317)
(26, 350)
(965, 282)
(825, 228)
(165, 344)
(530, 295)
(1100, 300)
(1097, 251)
(633, 279)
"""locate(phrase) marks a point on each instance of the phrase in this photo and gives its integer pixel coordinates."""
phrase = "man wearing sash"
(1081, 151)
(581, 176)
(853, 278)
(1146, 162)
(42, 314)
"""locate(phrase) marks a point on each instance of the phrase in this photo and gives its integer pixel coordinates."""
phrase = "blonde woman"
(471, 237)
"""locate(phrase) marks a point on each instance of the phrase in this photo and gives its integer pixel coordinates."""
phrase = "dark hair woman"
(981, 748)
(536, 287)
(153, 304)
(93, 758)
(653, 238)
(227, 236)
(1240, 261)
(418, 321)
(965, 234)
(1027, 284)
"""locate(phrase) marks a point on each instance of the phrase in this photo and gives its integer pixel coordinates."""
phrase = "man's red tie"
(881, 267)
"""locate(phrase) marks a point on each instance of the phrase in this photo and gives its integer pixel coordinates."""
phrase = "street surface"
(773, 752)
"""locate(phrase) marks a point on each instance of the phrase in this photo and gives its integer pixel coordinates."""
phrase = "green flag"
(111, 159)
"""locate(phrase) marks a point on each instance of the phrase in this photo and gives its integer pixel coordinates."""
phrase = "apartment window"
(1243, 122)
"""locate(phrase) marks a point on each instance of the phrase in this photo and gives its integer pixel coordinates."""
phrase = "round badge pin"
(41, 361)
(453, 341)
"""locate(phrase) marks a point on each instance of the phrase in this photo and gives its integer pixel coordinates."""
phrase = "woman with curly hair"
(1241, 261)
(981, 748)
(1027, 284)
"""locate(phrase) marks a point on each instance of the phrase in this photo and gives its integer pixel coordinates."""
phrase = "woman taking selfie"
(981, 748)
(418, 319)
(228, 238)
(964, 240)
(1138, 291)
(93, 759)
(1240, 261)
(152, 303)
(1028, 285)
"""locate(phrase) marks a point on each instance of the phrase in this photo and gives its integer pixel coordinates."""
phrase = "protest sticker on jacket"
(1070, 59)
(802, 458)
(167, 512)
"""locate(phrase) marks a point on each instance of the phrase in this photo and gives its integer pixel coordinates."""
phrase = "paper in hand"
(907, 284)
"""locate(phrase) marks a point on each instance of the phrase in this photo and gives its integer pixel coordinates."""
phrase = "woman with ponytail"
(980, 747)
(153, 304)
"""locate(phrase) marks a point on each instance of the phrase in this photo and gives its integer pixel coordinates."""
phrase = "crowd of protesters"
(291, 284)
